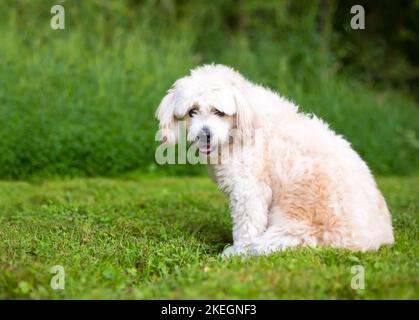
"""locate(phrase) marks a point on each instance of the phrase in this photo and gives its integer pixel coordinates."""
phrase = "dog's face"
(208, 126)
(211, 103)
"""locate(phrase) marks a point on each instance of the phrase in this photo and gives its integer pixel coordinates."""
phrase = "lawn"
(146, 237)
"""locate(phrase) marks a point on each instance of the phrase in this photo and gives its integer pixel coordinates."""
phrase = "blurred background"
(81, 101)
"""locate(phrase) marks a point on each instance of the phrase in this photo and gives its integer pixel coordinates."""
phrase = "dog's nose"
(205, 134)
(206, 131)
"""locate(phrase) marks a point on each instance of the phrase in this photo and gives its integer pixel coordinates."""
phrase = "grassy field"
(151, 237)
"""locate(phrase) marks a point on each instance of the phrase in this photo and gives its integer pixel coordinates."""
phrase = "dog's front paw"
(235, 250)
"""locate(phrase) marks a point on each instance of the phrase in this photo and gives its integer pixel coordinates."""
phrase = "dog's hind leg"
(280, 235)
(274, 239)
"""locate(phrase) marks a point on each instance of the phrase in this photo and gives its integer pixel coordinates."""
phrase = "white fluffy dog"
(303, 186)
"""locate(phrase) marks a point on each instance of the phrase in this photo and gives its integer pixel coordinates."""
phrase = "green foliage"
(81, 101)
(144, 237)
(387, 51)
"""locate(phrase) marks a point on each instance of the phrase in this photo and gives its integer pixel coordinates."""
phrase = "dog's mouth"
(206, 149)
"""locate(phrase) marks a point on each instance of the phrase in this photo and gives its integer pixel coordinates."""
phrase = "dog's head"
(212, 103)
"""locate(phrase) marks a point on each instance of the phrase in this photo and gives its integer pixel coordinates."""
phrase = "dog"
(303, 186)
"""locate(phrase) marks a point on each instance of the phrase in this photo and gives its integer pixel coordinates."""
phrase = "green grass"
(147, 237)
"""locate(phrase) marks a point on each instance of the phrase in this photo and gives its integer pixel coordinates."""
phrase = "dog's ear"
(168, 127)
(244, 113)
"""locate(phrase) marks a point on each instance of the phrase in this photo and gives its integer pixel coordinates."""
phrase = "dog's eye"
(219, 113)
(192, 112)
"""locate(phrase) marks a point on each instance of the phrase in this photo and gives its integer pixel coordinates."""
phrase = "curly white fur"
(304, 186)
